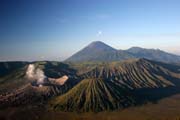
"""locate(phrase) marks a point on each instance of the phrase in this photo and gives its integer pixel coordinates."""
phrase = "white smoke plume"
(35, 74)
(30, 71)
(40, 76)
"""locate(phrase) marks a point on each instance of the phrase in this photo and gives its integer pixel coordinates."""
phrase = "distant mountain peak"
(97, 42)
(92, 52)
(99, 51)
(99, 45)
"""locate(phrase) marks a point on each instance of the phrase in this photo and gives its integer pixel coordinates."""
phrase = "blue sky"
(55, 29)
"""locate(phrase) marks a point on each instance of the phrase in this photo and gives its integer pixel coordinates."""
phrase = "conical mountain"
(98, 51)
(99, 46)
(93, 95)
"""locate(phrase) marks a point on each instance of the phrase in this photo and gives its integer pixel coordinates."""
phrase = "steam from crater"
(35, 74)
(30, 71)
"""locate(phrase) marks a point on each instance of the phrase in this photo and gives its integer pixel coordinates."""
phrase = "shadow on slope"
(153, 95)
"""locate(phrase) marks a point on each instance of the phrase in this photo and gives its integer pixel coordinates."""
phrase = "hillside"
(9, 67)
(12, 75)
(153, 54)
(17, 89)
(100, 52)
(93, 95)
(89, 86)
(134, 73)
(16, 77)
(109, 86)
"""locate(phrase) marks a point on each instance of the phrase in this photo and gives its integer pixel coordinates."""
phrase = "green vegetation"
(13, 76)
(104, 84)
(93, 95)
(92, 86)
(133, 74)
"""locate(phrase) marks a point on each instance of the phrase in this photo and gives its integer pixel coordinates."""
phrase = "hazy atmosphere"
(56, 29)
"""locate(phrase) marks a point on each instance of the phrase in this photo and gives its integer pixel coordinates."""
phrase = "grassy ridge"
(93, 95)
(137, 73)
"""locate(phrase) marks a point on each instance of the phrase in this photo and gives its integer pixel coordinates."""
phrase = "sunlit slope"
(136, 73)
(12, 76)
(93, 95)
(106, 86)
